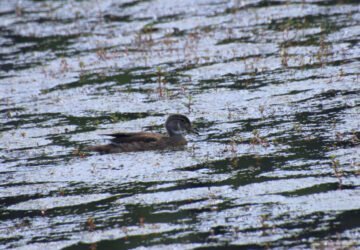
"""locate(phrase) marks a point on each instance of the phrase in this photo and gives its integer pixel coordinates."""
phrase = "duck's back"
(142, 141)
(146, 137)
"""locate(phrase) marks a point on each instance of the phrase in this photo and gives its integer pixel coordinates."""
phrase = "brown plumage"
(142, 141)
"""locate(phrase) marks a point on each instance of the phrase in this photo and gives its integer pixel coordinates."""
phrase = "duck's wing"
(144, 137)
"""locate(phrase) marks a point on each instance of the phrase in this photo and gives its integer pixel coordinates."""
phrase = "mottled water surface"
(272, 87)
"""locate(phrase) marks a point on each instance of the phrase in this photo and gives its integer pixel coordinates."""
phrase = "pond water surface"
(272, 87)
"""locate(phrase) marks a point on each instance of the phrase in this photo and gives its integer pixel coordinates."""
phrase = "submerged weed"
(90, 223)
(335, 164)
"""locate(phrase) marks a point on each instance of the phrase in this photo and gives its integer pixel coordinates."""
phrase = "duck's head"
(176, 124)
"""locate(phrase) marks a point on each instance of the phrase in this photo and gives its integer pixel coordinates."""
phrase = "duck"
(143, 141)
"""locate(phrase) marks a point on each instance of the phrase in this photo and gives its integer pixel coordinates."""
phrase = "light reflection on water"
(272, 87)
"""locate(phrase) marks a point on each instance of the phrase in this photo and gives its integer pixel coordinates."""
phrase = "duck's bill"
(191, 130)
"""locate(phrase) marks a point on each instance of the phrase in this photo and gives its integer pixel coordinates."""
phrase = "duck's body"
(142, 141)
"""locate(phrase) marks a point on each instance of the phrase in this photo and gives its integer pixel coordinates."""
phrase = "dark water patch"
(116, 18)
(94, 79)
(17, 215)
(130, 4)
(10, 110)
(17, 66)
(83, 124)
(313, 190)
(21, 157)
(27, 45)
(336, 2)
(57, 43)
(320, 230)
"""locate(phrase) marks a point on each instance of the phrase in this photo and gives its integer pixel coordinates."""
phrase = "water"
(272, 87)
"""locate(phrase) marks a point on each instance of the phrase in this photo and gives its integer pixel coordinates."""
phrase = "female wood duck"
(141, 141)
